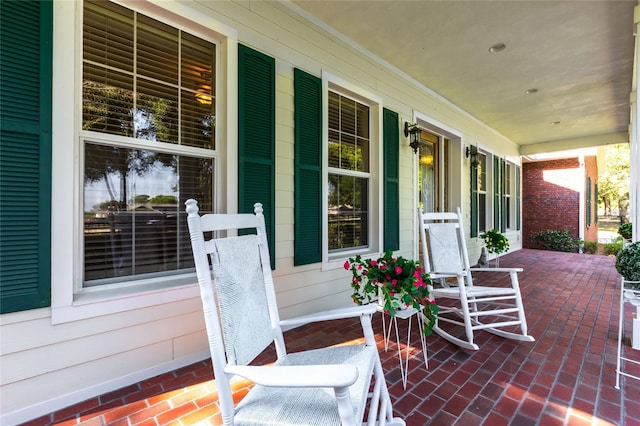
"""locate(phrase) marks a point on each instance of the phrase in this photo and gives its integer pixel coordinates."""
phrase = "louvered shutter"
(497, 202)
(518, 206)
(391, 147)
(503, 195)
(308, 168)
(256, 137)
(473, 171)
(26, 31)
(588, 201)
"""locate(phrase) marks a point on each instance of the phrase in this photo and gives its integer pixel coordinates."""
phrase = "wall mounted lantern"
(414, 131)
(472, 153)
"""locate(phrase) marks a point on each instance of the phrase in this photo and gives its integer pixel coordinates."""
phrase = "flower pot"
(381, 301)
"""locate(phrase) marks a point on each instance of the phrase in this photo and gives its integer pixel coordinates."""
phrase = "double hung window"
(148, 142)
(349, 172)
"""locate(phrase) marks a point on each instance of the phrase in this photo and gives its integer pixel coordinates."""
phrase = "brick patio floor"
(565, 377)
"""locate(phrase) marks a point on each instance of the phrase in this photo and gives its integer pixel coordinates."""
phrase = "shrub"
(556, 240)
(591, 247)
(625, 230)
(611, 249)
(628, 262)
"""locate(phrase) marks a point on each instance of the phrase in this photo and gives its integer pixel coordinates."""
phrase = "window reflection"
(133, 220)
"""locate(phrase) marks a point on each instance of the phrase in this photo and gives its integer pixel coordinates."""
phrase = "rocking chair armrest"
(496, 269)
(303, 376)
(332, 314)
(438, 274)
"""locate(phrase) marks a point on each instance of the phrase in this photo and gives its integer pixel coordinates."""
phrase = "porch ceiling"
(577, 54)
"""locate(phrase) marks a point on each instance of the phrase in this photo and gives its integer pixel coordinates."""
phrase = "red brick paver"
(565, 377)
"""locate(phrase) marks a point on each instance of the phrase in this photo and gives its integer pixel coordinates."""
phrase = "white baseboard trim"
(55, 404)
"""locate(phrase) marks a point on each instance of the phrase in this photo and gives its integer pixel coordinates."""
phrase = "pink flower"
(359, 267)
(398, 270)
(374, 262)
(394, 283)
(383, 267)
(346, 265)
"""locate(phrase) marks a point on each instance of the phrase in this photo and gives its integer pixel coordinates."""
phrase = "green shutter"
(497, 202)
(473, 171)
(518, 198)
(26, 31)
(588, 201)
(503, 195)
(256, 137)
(391, 147)
(595, 202)
(307, 229)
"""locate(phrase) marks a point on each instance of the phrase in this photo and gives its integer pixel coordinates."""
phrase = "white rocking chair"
(328, 386)
(496, 309)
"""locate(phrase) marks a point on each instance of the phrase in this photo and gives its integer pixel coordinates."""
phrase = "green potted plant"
(495, 242)
(395, 283)
(625, 230)
(628, 263)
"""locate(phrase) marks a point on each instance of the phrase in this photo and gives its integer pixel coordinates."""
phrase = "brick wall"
(550, 197)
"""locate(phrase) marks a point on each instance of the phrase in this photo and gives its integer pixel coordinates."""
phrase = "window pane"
(107, 101)
(362, 154)
(156, 117)
(108, 35)
(348, 153)
(347, 115)
(198, 57)
(334, 111)
(198, 122)
(482, 172)
(482, 212)
(134, 221)
(334, 149)
(157, 50)
(363, 121)
(348, 212)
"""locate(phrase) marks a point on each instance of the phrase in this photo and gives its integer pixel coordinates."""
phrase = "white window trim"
(339, 85)
(67, 304)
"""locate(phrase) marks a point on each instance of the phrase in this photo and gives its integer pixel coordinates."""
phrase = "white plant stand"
(405, 314)
(631, 295)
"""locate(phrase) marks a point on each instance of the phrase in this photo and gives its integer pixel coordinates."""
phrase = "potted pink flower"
(395, 283)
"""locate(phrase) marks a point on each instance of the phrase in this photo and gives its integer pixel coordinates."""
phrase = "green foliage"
(628, 262)
(611, 249)
(495, 241)
(164, 199)
(555, 240)
(400, 283)
(625, 230)
(613, 182)
(591, 247)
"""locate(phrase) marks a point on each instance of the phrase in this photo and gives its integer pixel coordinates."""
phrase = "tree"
(613, 183)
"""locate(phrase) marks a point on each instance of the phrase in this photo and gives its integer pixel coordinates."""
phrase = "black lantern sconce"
(472, 153)
(414, 131)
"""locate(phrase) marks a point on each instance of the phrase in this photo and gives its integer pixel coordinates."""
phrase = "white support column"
(634, 137)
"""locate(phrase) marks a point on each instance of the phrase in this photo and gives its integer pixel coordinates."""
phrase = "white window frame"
(336, 84)
(69, 302)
